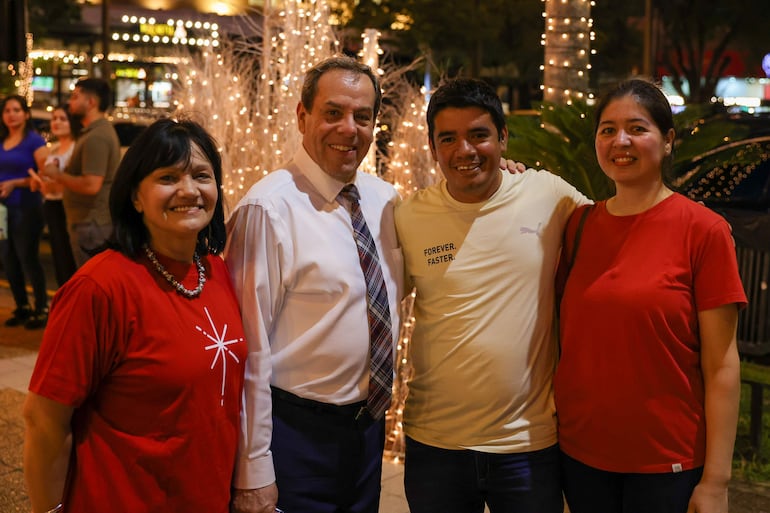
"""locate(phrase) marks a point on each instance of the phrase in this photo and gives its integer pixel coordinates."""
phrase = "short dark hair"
(340, 62)
(465, 92)
(164, 143)
(99, 88)
(28, 126)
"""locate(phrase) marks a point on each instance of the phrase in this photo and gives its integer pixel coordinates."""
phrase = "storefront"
(145, 49)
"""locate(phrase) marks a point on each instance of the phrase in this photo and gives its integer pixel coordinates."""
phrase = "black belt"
(355, 414)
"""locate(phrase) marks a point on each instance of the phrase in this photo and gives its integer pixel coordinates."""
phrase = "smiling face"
(339, 128)
(176, 203)
(467, 147)
(629, 145)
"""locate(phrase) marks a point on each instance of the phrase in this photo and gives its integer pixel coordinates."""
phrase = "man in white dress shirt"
(308, 444)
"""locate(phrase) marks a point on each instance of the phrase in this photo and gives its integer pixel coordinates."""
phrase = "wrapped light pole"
(370, 55)
(567, 40)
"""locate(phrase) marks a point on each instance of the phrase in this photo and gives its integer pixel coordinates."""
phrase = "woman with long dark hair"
(22, 149)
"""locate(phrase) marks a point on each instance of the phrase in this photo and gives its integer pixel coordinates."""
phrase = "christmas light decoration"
(27, 71)
(370, 55)
(247, 93)
(567, 41)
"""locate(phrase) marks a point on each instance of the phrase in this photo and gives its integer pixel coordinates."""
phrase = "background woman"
(141, 367)
(65, 130)
(22, 149)
(647, 388)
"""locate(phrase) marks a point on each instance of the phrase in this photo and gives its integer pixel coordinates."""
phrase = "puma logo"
(536, 231)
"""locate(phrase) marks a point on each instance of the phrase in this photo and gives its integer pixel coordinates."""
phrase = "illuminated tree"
(567, 42)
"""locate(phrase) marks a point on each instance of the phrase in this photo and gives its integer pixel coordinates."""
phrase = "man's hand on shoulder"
(259, 500)
(512, 166)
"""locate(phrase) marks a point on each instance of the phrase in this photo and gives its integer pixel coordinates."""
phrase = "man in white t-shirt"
(481, 248)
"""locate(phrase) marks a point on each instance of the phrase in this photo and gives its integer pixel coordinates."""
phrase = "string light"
(27, 71)
(235, 100)
(370, 55)
(171, 33)
(567, 37)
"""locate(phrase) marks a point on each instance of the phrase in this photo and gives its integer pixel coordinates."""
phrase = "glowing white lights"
(567, 23)
(171, 32)
(236, 101)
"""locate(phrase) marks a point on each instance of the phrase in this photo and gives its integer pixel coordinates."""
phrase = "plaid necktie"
(378, 311)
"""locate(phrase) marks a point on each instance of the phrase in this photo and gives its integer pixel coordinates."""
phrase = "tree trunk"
(567, 50)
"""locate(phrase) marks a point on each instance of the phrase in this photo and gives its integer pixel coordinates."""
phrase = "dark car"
(733, 179)
(733, 175)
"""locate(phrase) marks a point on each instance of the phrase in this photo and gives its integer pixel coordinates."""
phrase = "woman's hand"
(51, 170)
(708, 498)
(44, 184)
(7, 187)
(36, 183)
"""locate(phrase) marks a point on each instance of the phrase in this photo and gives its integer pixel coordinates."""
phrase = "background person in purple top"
(22, 149)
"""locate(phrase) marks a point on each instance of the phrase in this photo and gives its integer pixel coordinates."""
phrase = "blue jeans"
(589, 490)
(462, 481)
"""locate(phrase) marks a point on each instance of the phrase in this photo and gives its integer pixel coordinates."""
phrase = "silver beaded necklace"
(181, 289)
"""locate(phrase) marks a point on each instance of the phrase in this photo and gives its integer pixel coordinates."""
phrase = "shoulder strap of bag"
(578, 233)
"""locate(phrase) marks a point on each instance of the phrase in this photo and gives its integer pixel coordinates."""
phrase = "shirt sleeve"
(78, 349)
(717, 280)
(253, 256)
(566, 190)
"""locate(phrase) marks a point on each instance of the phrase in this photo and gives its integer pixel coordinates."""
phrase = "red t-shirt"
(628, 388)
(155, 379)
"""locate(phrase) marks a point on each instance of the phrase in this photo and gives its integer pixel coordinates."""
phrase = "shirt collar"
(327, 186)
(94, 123)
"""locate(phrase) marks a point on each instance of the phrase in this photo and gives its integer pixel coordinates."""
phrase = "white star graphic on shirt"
(220, 344)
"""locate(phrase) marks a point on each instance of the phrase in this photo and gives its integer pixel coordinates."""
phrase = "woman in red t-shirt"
(135, 398)
(647, 387)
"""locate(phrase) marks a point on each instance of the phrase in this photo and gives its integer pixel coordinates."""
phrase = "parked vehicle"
(733, 179)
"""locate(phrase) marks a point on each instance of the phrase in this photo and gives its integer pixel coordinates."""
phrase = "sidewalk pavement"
(18, 351)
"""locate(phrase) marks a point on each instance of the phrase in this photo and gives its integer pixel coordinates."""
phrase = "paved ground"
(18, 350)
